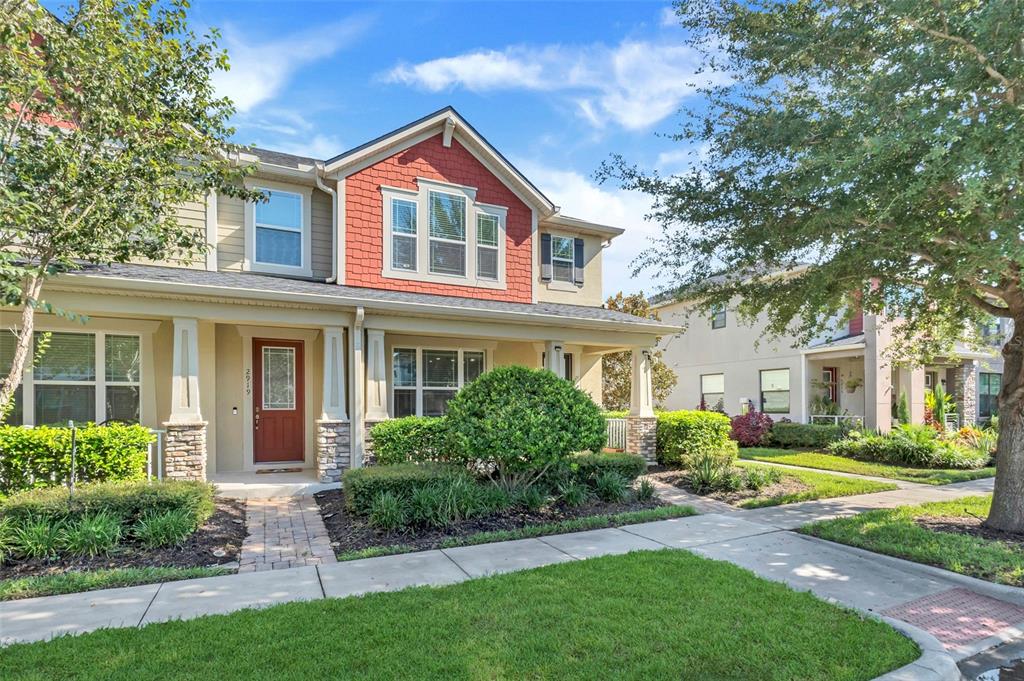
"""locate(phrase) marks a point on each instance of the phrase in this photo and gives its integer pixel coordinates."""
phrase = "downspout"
(317, 175)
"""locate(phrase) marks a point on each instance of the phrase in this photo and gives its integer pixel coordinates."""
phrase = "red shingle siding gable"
(430, 159)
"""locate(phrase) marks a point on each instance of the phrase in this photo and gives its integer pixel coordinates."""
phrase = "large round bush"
(523, 421)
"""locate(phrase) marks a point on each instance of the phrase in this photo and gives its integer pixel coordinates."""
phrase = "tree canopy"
(617, 367)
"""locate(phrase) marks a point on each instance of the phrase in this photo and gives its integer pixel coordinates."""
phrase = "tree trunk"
(1008, 501)
(23, 343)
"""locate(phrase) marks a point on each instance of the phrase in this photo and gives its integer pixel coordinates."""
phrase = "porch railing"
(835, 419)
(155, 459)
(616, 433)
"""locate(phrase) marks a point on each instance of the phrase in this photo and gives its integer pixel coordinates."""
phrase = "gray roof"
(279, 158)
(356, 295)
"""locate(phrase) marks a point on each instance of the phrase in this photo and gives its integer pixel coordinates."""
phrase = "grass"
(893, 532)
(644, 615)
(831, 462)
(593, 522)
(822, 486)
(73, 582)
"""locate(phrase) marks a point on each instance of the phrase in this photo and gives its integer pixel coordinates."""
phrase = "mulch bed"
(218, 541)
(969, 525)
(678, 478)
(351, 533)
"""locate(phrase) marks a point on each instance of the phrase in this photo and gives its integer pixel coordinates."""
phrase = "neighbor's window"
(65, 385)
(718, 317)
(403, 234)
(278, 222)
(989, 385)
(775, 391)
(712, 391)
(447, 233)
(487, 246)
(424, 380)
(562, 258)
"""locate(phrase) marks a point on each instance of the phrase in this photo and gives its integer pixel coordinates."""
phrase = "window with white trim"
(278, 233)
(425, 379)
(712, 392)
(462, 242)
(562, 258)
(775, 391)
(79, 377)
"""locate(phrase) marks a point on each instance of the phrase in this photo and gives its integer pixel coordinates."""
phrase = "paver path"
(284, 532)
(758, 540)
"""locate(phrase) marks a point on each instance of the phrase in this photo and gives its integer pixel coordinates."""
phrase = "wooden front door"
(277, 402)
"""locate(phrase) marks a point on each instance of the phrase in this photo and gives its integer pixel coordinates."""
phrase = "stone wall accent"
(185, 451)
(369, 458)
(642, 437)
(965, 392)
(333, 449)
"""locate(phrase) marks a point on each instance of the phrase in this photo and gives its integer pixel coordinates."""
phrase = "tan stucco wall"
(230, 393)
(560, 292)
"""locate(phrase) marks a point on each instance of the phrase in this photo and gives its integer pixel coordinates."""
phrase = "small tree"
(521, 422)
(871, 150)
(903, 409)
(617, 367)
(110, 125)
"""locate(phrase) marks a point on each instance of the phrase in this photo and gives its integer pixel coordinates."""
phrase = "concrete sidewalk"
(966, 615)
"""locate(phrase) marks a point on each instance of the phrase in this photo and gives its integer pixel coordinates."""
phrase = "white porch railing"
(836, 419)
(616, 433)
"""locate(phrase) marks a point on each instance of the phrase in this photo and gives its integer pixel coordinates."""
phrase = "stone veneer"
(369, 458)
(333, 449)
(965, 392)
(185, 451)
(642, 437)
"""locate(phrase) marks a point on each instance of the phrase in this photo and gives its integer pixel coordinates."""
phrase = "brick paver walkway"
(284, 532)
(958, 616)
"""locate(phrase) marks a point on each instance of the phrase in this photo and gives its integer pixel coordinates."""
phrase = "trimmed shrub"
(362, 485)
(805, 434)
(910, 445)
(412, 439)
(520, 422)
(41, 456)
(688, 433)
(751, 429)
(128, 501)
(588, 466)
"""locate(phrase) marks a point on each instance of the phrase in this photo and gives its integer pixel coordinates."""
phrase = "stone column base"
(642, 437)
(185, 451)
(369, 458)
(333, 449)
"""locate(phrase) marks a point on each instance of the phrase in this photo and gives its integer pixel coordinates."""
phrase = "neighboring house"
(371, 285)
(726, 364)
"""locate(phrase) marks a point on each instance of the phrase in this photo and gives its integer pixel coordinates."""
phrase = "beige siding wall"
(193, 216)
(230, 393)
(560, 292)
(321, 225)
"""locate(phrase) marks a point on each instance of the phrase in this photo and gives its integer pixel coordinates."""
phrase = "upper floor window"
(718, 316)
(278, 230)
(562, 259)
(462, 243)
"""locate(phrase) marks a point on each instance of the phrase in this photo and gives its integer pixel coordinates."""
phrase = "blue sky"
(556, 86)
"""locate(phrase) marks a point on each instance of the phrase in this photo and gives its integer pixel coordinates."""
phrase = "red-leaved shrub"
(751, 429)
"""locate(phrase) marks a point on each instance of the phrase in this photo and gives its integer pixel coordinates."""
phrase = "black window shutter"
(578, 261)
(545, 257)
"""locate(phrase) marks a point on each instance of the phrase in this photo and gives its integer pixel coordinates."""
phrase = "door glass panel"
(440, 369)
(69, 357)
(278, 378)
(58, 404)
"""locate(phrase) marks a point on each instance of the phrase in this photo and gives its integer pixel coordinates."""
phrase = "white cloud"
(634, 84)
(317, 146)
(669, 17)
(580, 197)
(259, 70)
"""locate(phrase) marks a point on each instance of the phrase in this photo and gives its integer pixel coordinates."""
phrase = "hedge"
(41, 456)
(910, 445)
(362, 485)
(686, 433)
(126, 500)
(412, 439)
(589, 466)
(805, 434)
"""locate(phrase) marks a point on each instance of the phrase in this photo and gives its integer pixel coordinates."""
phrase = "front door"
(278, 410)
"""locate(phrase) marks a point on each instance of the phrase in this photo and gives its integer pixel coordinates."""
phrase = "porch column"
(333, 432)
(376, 377)
(911, 383)
(357, 384)
(642, 425)
(877, 375)
(554, 358)
(965, 391)
(185, 441)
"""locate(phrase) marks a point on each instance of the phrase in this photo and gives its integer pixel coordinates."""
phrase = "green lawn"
(830, 462)
(645, 615)
(822, 486)
(71, 582)
(893, 532)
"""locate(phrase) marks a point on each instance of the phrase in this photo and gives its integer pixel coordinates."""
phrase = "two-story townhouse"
(370, 285)
(724, 363)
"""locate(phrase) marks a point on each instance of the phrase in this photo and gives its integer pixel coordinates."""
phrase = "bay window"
(425, 379)
(447, 233)
(77, 377)
(403, 234)
(486, 246)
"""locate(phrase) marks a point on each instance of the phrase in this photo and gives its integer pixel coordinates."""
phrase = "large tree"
(882, 143)
(108, 125)
(617, 367)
